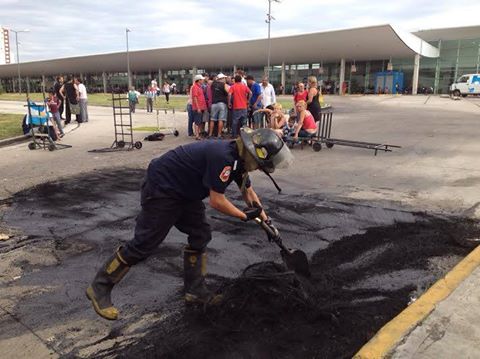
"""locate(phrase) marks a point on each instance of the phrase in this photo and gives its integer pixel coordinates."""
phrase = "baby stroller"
(41, 128)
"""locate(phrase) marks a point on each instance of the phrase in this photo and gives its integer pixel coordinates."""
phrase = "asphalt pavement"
(436, 170)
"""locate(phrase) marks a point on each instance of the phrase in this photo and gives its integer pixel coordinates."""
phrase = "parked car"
(466, 85)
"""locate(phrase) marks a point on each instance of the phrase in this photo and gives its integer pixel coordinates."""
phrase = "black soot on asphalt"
(368, 263)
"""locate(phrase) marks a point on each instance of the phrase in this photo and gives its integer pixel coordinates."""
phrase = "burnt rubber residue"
(368, 263)
(358, 284)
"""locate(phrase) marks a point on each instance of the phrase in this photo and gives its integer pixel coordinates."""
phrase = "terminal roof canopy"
(366, 43)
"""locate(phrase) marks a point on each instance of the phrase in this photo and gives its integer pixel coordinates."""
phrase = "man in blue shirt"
(172, 194)
(255, 102)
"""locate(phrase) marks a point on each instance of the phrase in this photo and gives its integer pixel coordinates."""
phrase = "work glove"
(252, 212)
(275, 234)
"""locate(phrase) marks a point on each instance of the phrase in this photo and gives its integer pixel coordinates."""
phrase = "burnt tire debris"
(367, 262)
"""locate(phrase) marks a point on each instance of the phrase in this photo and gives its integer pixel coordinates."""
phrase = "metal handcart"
(323, 135)
(168, 121)
(122, 123)
(40, 123)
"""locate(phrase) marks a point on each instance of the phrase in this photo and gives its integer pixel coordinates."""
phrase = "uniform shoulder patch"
(225, 174)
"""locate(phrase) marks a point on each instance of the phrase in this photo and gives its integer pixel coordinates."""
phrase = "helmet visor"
(283, 159)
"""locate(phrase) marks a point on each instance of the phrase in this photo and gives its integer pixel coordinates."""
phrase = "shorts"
(218, 111)
(198, 117)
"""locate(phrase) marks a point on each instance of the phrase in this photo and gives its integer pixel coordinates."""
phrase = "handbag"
(75, 109)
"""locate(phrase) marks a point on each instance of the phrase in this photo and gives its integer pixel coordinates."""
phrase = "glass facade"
(457, 57)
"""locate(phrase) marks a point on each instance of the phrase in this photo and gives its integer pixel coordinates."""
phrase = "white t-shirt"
(268, 95)
(82, 90)
(166, 88)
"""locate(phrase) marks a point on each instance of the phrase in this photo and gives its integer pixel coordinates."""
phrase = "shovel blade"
(297, 261)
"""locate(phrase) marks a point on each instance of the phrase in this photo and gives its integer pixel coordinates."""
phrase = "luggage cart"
(122, 123)
(323, 135)
(169, 128)
(40, 123)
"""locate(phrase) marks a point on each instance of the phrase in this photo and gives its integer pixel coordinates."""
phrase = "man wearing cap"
(172, 194)
(218, 112)
(199, 105)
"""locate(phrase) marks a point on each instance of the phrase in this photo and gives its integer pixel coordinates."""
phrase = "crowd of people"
(66, 97)
(219, 105)
(151, 93)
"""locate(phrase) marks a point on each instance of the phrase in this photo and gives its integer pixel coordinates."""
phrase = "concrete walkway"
(452, 330)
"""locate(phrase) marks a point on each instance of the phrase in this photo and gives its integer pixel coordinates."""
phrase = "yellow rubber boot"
(196, 291)
(99, 292)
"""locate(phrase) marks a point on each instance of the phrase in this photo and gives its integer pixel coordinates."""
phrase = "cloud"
(64, 29)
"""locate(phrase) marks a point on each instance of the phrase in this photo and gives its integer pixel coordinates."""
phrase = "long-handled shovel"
(295, 259)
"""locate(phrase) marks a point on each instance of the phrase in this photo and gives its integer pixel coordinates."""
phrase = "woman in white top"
(82, 99)
(166, 91)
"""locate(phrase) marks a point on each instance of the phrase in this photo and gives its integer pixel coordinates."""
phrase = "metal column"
(194, 72)
(437, 70)
(478, 58)
(416, 70)
(104, 78)
(456, 61)
(282, 80)
(342, 76)
(366, 82)
(160, 78)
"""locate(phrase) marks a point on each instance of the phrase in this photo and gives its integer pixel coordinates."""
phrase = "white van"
(466, 85)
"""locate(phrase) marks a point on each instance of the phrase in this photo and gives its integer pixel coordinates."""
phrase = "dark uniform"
(172, 194)
(173, 190)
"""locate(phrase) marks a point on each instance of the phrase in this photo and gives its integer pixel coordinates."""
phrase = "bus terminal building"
(374, 59)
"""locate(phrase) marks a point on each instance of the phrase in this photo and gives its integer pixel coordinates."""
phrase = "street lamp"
(268, 21)
(18, 57)
(127, 30)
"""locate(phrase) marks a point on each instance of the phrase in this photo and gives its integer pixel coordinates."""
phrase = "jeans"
(83, 109)
(190, 119)
(304, 134)
(218, 111)
(239, 119)
(58, 121)
(149, 104)
(132, 105)
(160, 212)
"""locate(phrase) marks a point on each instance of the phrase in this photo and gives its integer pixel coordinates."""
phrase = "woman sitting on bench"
(306, 126)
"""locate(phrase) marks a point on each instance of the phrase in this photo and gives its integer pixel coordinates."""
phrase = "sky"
(73, 28)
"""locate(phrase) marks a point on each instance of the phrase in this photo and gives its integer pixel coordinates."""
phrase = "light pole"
(18, 58)
(127, 30)
(268, 21)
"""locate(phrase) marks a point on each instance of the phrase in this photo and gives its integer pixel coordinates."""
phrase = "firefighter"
(172, 194)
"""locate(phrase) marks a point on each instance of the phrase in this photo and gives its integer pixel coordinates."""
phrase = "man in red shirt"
(199, 105)
(241, 96)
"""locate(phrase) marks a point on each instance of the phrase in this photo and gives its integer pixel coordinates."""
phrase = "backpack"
(132, 96)
(157, 136)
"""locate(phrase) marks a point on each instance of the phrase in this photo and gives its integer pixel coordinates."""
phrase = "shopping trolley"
(168, 121)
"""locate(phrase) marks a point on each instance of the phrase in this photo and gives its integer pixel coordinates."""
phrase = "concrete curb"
(13, 140)
(394, 331)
